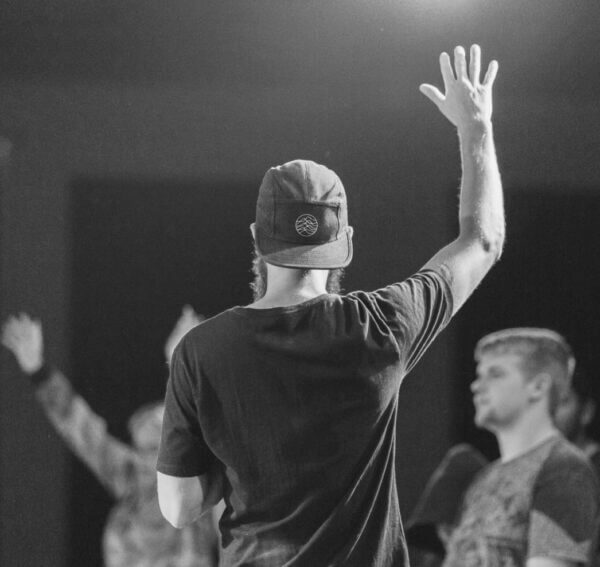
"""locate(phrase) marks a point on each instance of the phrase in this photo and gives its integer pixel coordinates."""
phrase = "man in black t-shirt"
(287, 408)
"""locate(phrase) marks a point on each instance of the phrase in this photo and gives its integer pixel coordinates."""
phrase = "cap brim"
(335, 254)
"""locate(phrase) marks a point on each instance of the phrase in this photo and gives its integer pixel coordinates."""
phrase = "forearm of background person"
(444, 532)
(183, 500)
(83, 431)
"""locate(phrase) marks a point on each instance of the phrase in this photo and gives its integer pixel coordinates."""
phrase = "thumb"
(432, 93)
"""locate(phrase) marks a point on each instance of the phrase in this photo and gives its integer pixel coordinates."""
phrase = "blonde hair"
(540, 350)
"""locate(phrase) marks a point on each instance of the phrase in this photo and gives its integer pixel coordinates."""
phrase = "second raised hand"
(466, 100)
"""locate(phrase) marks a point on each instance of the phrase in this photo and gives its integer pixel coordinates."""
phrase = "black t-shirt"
(299, 405)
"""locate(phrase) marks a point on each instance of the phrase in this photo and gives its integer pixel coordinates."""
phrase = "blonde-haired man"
(538, 505)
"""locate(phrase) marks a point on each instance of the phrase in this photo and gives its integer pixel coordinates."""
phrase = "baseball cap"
(302, 217)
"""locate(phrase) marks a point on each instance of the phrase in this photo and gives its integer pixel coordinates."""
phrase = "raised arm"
(23, 336)
(188, 319)
(84, 432)
(467, 104)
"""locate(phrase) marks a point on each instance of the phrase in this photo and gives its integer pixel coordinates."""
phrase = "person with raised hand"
(135, 533)
(287, 407)
(467, 104)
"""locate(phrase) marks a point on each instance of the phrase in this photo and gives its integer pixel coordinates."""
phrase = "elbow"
(493, 245)
(180, 522)
(175, 512)
(487, 233)
(175, 515)
(490, 240)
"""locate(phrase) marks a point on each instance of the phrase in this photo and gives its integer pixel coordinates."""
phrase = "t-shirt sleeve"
(183, 451)
(564, 512)
(415, 310)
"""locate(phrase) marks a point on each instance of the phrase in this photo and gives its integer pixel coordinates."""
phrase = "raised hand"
(466, 101)
(22, 335)
(187, 321)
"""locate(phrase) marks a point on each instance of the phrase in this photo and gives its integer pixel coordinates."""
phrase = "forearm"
(53, 391)
(183, 500)
(84, 432)
(481, 211)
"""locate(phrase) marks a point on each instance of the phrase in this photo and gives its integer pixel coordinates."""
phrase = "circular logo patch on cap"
(306, 225)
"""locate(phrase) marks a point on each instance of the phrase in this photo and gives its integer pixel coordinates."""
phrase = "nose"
(475, 385)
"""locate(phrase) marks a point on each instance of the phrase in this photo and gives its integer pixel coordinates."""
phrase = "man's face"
(500, 392)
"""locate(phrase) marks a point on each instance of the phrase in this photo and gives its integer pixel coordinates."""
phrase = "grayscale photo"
(300, 283)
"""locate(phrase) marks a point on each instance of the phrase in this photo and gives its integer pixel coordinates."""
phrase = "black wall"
(549, 276)
(141, 250)
(222, 90)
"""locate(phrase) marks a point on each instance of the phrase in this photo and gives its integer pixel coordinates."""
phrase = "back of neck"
(289, 286)
(285, 298)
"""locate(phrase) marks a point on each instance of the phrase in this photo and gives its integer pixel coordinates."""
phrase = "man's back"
(299, 404)
(312, 391)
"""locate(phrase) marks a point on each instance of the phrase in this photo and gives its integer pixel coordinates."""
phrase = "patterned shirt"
(544, 503)
(136, 534)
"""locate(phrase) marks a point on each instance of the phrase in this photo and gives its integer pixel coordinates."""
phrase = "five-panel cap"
(302, 217)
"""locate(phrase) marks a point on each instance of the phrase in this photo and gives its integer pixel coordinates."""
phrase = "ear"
(539, 386)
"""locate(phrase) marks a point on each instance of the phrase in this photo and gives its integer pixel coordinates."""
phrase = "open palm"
(466, 101)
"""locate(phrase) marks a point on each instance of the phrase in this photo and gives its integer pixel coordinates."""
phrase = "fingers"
(460, 68)
(24, 319)
(446, 69)
(189, 314)
(10, 338)
(10, 327)
(490, 75)
(475, 64)
(460, 63)
(432, 93)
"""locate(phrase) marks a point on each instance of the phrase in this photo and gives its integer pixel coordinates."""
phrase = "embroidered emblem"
(306, 225)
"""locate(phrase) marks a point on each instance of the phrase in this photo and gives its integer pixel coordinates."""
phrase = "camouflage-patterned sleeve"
(84, 432)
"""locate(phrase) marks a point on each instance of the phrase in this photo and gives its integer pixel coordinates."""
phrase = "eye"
(497, 371)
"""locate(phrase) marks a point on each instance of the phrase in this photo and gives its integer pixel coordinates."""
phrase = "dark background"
(135, 136)
(548, 277)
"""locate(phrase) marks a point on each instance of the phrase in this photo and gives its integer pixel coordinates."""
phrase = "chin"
(483, 420)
